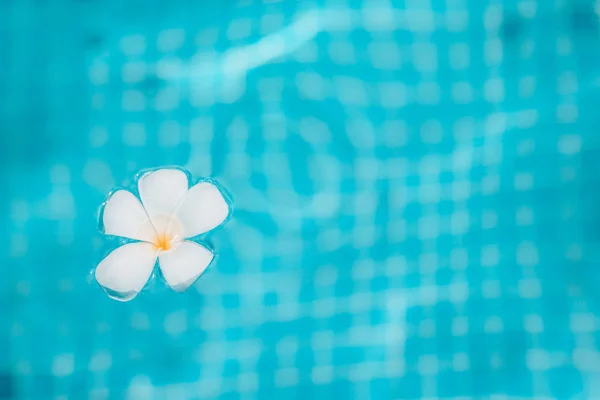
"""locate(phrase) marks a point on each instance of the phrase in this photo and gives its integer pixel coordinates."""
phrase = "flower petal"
(183, 265)
(161, 192)
(124, 216)
(125, 271)
(202, 209)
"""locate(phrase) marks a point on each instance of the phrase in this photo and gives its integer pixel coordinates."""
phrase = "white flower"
(169, 213)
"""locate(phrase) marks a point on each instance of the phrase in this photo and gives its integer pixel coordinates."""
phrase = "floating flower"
(170, 213)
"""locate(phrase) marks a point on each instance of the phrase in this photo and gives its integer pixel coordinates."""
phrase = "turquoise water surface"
(415, 188)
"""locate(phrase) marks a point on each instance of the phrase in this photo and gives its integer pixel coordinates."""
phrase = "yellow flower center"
(166, 232)
(163, 242)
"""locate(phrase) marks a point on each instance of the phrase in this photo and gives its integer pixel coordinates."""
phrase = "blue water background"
(417, 212)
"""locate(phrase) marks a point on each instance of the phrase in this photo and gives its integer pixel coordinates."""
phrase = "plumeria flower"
(170, 213)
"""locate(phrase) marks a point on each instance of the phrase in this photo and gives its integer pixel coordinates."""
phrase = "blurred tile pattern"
(415, 187)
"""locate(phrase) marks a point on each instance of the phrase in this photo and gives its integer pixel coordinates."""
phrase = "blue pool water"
(415, 187)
